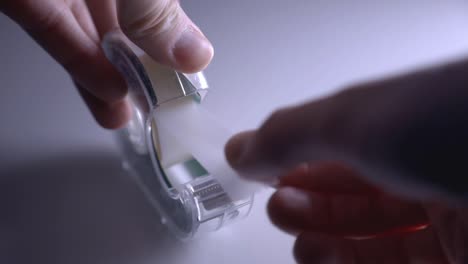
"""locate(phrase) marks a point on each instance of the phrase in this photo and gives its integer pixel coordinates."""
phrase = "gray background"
(63, 196)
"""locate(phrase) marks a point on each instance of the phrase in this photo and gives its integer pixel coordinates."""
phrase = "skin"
(361, 223)
(373, 174)
(71, 32)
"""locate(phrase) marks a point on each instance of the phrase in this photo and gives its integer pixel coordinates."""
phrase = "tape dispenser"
(188, 198)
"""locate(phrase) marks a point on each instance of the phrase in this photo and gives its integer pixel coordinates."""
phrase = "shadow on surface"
(77, 208)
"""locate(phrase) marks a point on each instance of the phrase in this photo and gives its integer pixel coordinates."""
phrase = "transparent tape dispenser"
(189, 198)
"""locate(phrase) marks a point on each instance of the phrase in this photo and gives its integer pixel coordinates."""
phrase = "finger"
(408, 131)
(54, 26)
(420, 247)
(108, 115)
(328, 177)
(163, 30)
(295, 210)
(83, 16)
(104, 13)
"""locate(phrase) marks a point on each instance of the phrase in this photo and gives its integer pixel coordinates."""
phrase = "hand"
(398, 149)
(71, 32)
(339, 218)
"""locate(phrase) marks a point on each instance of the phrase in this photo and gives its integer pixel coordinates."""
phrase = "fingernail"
(193, 51)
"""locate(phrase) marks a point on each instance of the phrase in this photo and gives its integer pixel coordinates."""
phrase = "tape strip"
(198, 133)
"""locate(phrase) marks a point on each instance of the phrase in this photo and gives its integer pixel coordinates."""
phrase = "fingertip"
(192, 51)
(236, 147)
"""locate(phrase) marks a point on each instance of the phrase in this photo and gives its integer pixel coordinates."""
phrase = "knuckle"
(160, 17)
(277, 115)
(274, 124)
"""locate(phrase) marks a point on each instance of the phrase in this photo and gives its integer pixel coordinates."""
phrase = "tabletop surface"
(64, 198)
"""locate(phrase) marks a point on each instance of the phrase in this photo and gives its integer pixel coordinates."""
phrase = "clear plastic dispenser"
(189, 199)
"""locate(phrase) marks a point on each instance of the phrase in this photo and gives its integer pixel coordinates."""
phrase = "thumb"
(163, 30)
(408, 129)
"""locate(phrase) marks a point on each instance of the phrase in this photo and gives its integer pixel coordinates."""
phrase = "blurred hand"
(339, 218)
(374, 174)
(71, 32)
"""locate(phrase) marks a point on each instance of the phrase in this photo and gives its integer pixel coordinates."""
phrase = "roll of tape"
(174, 148)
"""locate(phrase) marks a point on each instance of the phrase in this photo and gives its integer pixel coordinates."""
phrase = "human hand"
(339, 218)
(71, 32)
(393, 143)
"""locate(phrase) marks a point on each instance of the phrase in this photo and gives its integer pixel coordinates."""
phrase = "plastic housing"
(189, 200)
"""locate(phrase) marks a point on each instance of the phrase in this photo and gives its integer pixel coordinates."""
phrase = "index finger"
(163, 30)
(328, 177)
